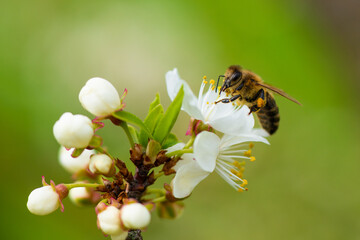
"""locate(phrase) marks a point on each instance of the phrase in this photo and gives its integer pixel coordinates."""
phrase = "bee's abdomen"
(269, 115)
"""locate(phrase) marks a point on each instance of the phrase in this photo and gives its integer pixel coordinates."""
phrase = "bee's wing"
(278, 91)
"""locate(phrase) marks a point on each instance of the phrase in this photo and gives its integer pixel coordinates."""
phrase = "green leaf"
(167, 121)
(171, 140)
(77, 152)
(152, 150)
(131, 118)
(96, 141)
(154, 103)
(134, 133)
(150, 122)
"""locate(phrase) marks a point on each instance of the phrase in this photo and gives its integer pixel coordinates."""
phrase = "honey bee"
(247, 88)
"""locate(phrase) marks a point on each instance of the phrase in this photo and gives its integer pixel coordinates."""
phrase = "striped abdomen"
(269, 115)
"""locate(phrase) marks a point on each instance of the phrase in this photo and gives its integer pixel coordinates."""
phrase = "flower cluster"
(221, 140)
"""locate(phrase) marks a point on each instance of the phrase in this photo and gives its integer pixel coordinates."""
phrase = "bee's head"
(233, 75)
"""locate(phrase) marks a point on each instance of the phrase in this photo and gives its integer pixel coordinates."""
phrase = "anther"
(245, 182)
(204, 81)
(212, 81)
(252, 158)
(251, 145)
(247, 153)
(204, 77)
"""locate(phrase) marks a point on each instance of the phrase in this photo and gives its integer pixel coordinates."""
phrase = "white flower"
(102, 164)
(73, 131)
(74, 165)
(109, 221)
(135, 216)
(99, 97)
(225, 118)
(43, 200)
(79, 195)
(214, 154)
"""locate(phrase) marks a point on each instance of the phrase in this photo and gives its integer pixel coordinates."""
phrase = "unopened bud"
(43, 200)
(73, 131)
(102, 164)
(77, 164)
(80, 196)
(109, 221)
(99, 97)
(135, 216)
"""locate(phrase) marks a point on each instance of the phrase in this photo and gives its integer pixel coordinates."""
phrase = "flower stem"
(75, 185)
(179, 152)
(101, 150)
(190, 142)
(155, 191)
(158, 175)
(159, 199)
(128, 134)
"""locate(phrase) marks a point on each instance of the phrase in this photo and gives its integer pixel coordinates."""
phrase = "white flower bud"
(73, 131)
(74, 165)
(109, 221)
(101, 164)
(135, 216)
(99, 97)
(43, 200)
(79, 195)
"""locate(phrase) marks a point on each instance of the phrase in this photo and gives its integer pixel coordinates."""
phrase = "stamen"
(251, 145)
(204, 81)
(247, 153)
(213, 88)
(245, 182)
(212, 81)
(252, 159)
(204, 77)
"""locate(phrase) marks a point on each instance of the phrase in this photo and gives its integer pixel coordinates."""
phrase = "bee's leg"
(240, 86)
(228, 100)
(259, 101)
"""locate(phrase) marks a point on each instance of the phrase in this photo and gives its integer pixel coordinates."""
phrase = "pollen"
(204, 81)
(219, 88)
(212, 81)
(260, 103)
(240, 190)
(213, 88)
(251, 145)
(204, 77)
(247, 153)
(245, 182)
(252, 158)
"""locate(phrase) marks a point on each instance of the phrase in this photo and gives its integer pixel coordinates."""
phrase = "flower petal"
(187, 177)
(206, 150)
(190, 102)
(231, 140)
(236, 122)
(185, 159)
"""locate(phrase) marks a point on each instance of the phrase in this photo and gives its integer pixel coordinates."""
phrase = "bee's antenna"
(217, 84)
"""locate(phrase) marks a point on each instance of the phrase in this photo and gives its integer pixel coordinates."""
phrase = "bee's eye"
(235, 78)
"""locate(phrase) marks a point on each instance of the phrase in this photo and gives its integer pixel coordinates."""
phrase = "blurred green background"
(304, 186)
